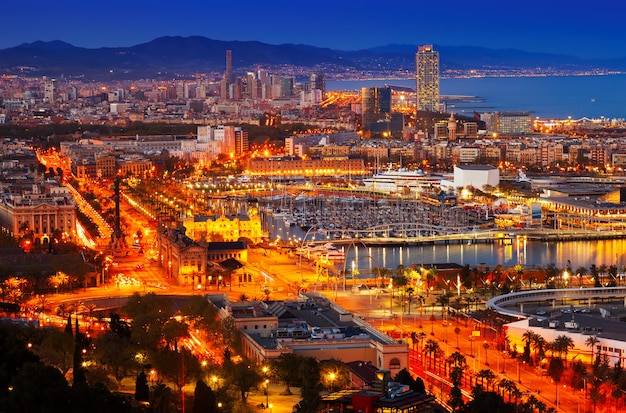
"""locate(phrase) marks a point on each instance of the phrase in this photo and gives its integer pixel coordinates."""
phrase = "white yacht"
(327, 251)
(400, 180)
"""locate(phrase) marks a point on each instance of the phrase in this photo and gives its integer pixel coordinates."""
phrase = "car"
(541, 312)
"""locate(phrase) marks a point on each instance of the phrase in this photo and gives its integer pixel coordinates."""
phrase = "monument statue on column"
(117, 237)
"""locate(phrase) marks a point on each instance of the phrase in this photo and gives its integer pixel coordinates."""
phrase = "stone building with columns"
(183, 259)
(42, 210)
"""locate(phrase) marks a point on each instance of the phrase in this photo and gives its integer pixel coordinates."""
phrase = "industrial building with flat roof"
(311, 326)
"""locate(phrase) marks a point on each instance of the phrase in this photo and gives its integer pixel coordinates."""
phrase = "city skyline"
(558, 27)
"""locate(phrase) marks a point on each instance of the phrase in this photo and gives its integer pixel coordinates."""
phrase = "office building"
(241, 141)
(512, 123)
(427, 78)
(318, 82)
(229, 77)
(49, 90)
(375, 109)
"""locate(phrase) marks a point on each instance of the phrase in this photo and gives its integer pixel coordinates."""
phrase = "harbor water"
(528, 253)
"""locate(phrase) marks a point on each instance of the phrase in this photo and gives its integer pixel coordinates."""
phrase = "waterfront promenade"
(473, 338)
(491, 236)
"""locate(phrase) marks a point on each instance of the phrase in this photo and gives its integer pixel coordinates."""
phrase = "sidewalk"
(279, 403)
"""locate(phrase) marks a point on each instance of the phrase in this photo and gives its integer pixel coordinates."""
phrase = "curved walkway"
(501, 303)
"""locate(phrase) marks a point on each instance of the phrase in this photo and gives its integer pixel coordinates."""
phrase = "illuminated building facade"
(427, 78)
(290, 167)
(511, 123)
(241, 141)
(181, 257)
(375, 107)
(225, 228)
(42, 210)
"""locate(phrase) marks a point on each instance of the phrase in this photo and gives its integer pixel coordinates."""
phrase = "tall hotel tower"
(228, 78)
(427, 78)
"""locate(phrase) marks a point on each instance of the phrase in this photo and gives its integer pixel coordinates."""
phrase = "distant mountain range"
(169, 57)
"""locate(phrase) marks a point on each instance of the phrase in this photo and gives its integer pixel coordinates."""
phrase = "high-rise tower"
(49, 89)
(375, 108)
(228, 75)
(229, 78)
(427, 78)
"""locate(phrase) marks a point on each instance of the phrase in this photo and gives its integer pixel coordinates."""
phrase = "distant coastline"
(554, 97)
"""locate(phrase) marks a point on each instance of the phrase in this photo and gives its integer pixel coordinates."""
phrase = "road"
(140, 273)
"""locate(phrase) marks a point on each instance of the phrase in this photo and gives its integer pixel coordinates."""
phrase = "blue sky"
(555, 26)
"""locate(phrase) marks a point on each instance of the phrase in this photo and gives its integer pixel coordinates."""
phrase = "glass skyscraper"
(427, 78)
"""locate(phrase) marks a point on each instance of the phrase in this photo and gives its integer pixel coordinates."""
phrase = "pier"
(491, 236)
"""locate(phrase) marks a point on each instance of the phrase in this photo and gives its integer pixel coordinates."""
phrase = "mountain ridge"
(177, 56)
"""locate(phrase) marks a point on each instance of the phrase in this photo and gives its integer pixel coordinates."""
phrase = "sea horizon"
(593, 96)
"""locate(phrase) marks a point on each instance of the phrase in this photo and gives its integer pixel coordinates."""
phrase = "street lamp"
(267, 392)
(331, 378)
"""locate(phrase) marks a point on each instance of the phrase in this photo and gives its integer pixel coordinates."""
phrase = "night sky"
(574, 27)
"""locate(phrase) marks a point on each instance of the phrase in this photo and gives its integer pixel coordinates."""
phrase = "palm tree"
(528, 338)
(563, 344)
(62, 309)
(602, 272)
(409, 294)
(519, 270)
(41, 306)
(486, 347)
(580, 272)
(161, 398)
(457, 359)
(431, 348)
(591, 342)
(538, 346)
(595, 273)
(243, 297)
(443, 300)
(506, 385)
(90, 309)
(457, 331)
(490, 376)
(431, 275)
(486, 374)
(413, 339)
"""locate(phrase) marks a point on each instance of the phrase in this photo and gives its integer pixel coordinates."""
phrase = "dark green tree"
(243, 375)
(149, 313)
(179, 367)
(162, 398)
(404, 377)
(485, 402)
(456, 399)
(142, 390)
(311, 387)
(38, 388)
(204, 400)
(116, 353)
(555, 371)
(286, 368)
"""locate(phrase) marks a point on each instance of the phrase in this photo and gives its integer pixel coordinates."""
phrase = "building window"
(394, 363)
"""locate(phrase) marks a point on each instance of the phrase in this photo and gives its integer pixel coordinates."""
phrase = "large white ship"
(327, 251)
(401, 181)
